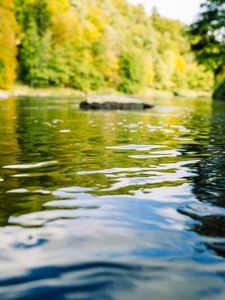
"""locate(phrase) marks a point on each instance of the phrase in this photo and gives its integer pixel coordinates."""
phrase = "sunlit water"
(112, 205)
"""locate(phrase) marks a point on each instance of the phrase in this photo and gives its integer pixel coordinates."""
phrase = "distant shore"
(26, 91)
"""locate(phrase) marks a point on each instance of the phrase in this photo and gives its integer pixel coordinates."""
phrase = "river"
(112, 204)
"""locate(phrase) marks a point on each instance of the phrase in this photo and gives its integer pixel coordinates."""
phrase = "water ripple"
(112, 205)
(136, 147)
(31, 166)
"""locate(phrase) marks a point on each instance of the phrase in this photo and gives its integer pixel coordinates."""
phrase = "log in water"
(114, 102)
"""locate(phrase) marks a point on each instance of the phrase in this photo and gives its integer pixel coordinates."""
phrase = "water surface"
(112, 205)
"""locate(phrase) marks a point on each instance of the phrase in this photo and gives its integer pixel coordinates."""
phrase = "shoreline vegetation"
(208, 42)
(52, 92)
(94, 46)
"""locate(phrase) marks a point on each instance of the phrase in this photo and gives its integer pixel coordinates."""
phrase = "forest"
(89, 45)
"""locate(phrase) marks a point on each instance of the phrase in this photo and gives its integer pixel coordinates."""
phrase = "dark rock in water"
(114, 103)
(114, 106)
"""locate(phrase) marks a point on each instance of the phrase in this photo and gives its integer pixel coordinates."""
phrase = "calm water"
(112, 205)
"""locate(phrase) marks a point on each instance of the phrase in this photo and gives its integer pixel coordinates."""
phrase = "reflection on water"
(112, 205)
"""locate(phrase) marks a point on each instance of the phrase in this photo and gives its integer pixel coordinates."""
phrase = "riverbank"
(26, 91)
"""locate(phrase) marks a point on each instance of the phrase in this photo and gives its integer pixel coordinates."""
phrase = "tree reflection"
(209, 185)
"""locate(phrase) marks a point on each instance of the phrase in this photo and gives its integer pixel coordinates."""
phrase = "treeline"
(88, 45)
(209, 42)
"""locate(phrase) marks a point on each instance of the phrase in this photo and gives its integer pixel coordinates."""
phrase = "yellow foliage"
(66, 27)
(180, 63)
(150, 72)
(97, 17)
(121, 5)
(111, 69)
(87, 58)
(91, 32)
(57, 7)
(7, 4)
(8, 45)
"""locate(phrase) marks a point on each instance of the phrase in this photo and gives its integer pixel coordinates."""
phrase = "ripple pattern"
(112, 205)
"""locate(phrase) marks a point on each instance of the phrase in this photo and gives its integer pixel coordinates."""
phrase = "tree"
(132, 71)
(209, 42)
(209, 32)
(90, 45)
(8, 44)
(34, 49)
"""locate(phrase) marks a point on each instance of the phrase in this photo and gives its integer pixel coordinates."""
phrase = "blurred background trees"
(90, 45)
(8, 44)
(209, 41)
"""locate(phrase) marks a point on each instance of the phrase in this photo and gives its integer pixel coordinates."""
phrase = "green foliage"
(202, 80)
(209, 35)
(132, 71)
(219, 92)
(209, 41)
(34, 51)
(33, 57)
(88, 45)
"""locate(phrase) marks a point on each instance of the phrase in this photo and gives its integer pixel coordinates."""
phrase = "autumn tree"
(8, 44)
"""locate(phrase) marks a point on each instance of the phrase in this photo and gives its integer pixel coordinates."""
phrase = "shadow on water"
(209, 185)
